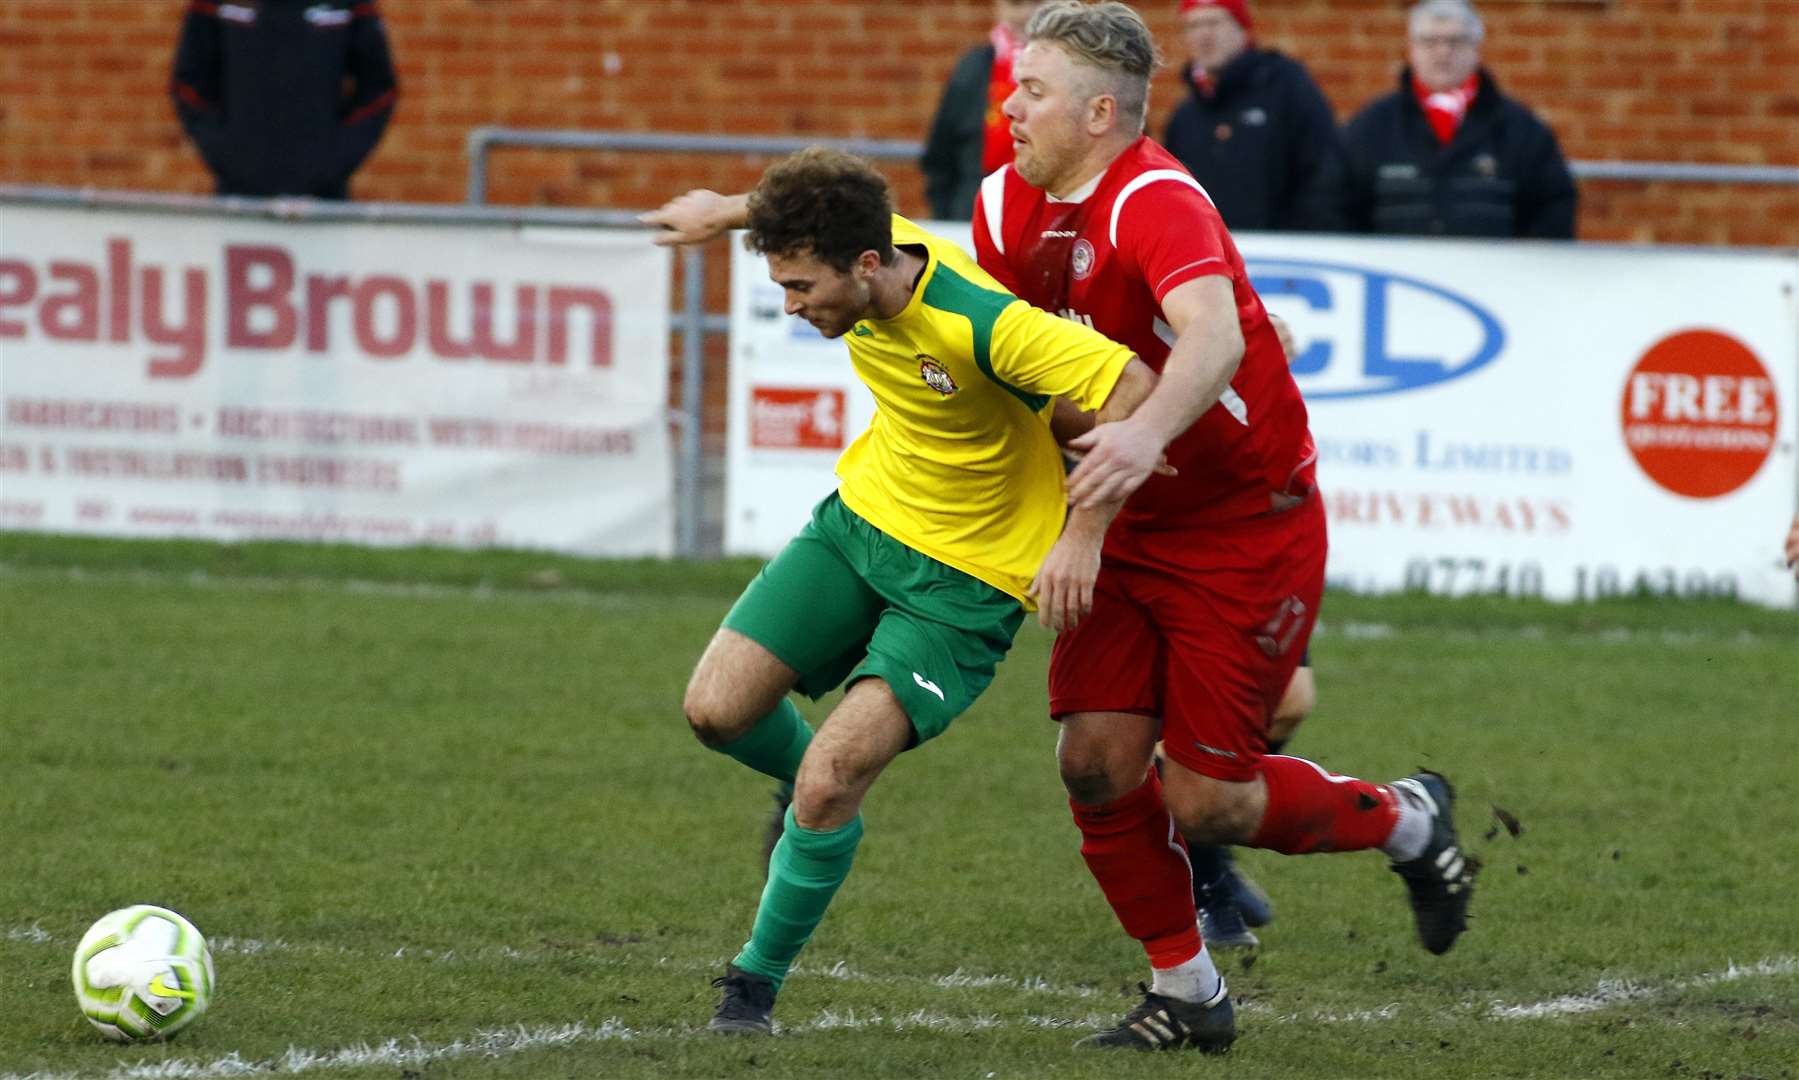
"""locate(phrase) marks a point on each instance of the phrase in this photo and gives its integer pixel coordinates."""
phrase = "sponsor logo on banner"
(379, 383)
(1699, 413)
(796, 418)
(1365, 331)
(278, 298)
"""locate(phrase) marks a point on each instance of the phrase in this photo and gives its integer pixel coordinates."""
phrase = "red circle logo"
(1699, 413)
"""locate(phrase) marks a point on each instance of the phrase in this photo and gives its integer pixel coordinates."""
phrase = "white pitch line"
(412, 1052)
(33, 934)
(405, 1053)
(415, 1053)
(1610, 992)
(1605, 993)
(955, 980)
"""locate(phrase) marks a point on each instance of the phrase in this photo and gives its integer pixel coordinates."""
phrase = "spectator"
(1447, 153)
(1256, 131)
(969, 137)
(1792, 546)
(283, 97)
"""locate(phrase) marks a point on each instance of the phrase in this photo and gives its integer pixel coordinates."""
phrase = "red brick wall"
(83, 90)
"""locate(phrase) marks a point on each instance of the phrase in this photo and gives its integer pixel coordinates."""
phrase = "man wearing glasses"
(1447, 154)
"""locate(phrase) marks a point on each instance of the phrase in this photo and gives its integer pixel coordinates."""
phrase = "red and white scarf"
(1446, 108)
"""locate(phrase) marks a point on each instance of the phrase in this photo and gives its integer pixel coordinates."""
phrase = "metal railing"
(483, 140)
(1682, 172)
(291, 209)
(692, 322)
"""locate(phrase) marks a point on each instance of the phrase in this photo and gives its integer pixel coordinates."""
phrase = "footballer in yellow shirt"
(911, 580)
(959, 462)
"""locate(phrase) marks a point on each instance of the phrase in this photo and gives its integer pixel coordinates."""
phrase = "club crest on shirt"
(1080, 260)
(935, 376)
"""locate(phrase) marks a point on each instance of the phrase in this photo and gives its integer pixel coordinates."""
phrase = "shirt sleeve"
(1170, 233)
(1039, 353)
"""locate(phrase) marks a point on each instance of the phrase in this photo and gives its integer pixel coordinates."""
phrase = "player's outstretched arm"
(1208, 347)
(697, 217)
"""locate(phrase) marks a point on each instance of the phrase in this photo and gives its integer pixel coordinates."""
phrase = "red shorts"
(1201, 627)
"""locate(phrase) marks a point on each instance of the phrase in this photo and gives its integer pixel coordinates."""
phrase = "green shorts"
(845, 601)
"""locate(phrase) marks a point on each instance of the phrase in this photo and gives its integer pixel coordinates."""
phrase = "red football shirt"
(1106, 256)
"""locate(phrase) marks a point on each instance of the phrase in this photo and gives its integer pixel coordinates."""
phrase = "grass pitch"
(440, 816)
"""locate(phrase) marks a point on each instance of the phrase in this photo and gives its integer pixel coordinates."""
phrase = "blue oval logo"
(1363, 331)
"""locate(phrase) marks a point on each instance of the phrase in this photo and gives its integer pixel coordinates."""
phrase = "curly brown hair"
(832, 204)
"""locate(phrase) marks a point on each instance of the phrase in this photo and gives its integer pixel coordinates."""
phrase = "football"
(143, 973)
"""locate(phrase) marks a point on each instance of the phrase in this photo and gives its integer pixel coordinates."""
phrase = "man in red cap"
(1255, 130)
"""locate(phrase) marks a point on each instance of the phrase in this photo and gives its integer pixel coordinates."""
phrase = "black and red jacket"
(283, 97)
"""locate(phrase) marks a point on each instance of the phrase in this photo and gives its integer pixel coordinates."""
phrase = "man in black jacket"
(1448, 154)
(283, 97)
(1256, 131)
(969, 137)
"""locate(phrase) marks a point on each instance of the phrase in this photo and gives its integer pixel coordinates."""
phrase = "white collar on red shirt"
(1082, 193)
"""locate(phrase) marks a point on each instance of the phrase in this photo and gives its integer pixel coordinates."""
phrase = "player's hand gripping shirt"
(959, 462)
(1106, 256)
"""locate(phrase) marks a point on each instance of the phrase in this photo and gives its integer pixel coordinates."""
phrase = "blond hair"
(1109, 37)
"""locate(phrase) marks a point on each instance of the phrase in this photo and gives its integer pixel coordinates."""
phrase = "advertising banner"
(368, 383)
(1522, 419)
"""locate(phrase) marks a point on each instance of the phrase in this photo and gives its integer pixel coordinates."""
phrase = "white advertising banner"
(183, 376)
(1523, 419)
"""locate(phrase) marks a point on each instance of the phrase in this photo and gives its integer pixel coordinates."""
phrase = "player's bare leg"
(863, 735)
(736, 683)
(866, 731)
(737, 704)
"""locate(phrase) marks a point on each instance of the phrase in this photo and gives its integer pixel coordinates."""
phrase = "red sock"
(1141, 865)
(1311, 810)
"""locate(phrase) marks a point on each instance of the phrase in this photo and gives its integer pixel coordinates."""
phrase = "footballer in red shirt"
(1213, 566)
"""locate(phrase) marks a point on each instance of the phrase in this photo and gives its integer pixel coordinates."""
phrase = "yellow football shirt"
(959, 462)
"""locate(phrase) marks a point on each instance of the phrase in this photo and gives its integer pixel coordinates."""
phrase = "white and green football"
(143, 973)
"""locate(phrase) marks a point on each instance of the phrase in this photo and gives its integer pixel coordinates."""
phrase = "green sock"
(775, 745)
(803, 875)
